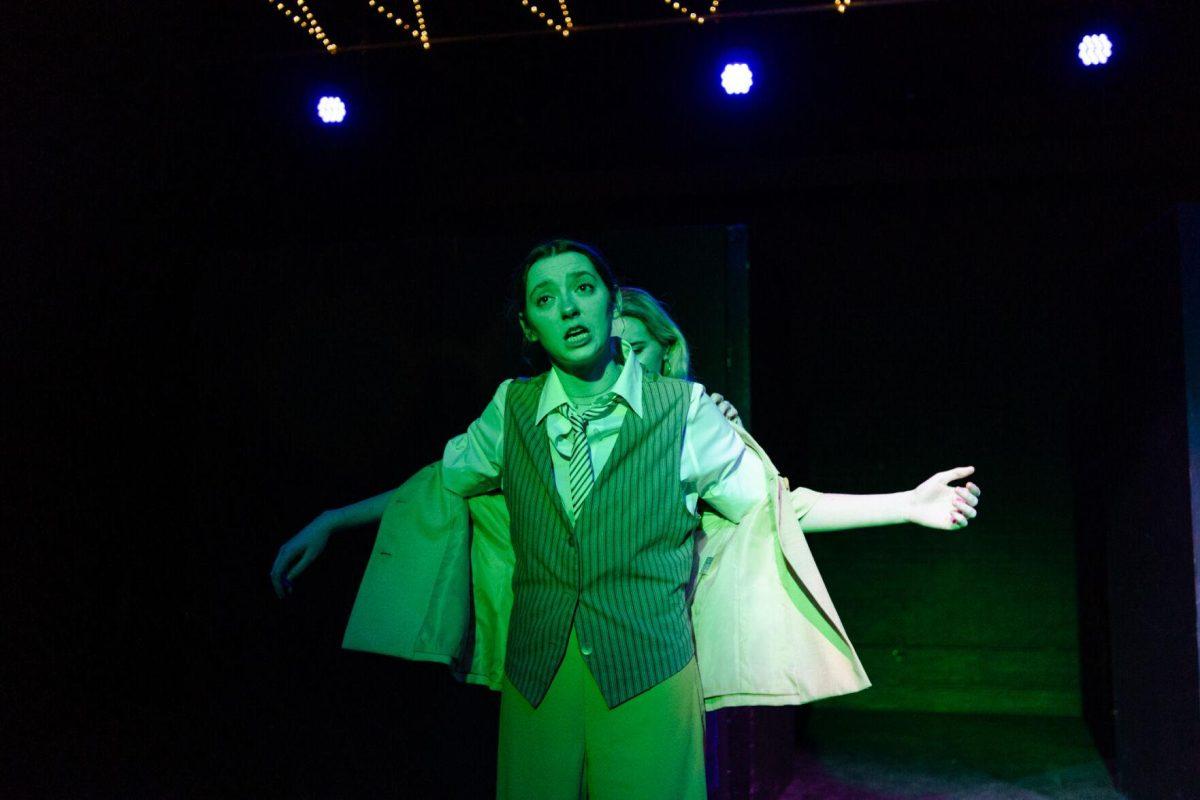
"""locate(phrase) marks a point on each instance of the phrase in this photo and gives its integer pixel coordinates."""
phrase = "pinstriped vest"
(621, 573)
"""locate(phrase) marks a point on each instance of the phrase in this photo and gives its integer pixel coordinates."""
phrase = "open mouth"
(576, 334)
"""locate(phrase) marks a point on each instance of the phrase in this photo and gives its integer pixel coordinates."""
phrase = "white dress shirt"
(716, 465)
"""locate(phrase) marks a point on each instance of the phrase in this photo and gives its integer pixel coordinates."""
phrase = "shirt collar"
(628, 386)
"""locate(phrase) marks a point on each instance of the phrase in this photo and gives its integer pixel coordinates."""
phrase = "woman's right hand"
(300, 551)
(726, 408)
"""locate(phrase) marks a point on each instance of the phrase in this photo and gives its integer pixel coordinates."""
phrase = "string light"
(562, 26)
(566, 14)
(307, 21)
(682, 9)
(391, 16)
(422, 34)
(841, 5)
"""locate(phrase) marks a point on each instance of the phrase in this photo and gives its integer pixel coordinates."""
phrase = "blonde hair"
(641, 305)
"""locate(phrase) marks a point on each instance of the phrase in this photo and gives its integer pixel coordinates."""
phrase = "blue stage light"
(737, 78)
(331, 110)
(1095, 49)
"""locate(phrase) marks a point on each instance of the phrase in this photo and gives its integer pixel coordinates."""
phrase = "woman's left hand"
(936, 504)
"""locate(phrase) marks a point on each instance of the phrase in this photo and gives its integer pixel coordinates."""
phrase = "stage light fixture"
(737, 78)
(1095, 49)
(331, 110)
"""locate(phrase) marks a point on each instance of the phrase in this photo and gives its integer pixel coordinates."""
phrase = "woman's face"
(568, 310)
(649, 350)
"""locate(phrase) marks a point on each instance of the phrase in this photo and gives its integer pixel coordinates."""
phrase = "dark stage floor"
(841, 755)
(858, 755)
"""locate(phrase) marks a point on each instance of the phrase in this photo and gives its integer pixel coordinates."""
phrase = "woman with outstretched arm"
(604, 466)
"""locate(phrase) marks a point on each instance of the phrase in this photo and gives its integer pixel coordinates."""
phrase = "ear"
(530, 334)
(617, 308)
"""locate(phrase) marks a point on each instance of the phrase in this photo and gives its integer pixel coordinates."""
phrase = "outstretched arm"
(302, 549)
(470, 465)
(933, 504)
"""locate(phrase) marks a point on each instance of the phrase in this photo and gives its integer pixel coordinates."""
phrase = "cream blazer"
(438, 587)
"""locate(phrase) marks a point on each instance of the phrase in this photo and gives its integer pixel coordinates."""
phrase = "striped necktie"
(580, 474)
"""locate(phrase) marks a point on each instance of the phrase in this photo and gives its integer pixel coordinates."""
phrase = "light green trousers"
(572, 746)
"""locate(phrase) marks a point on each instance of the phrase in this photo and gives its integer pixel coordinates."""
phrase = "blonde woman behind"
(658, 342)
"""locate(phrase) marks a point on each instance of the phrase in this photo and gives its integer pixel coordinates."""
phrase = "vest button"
(585, 649)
